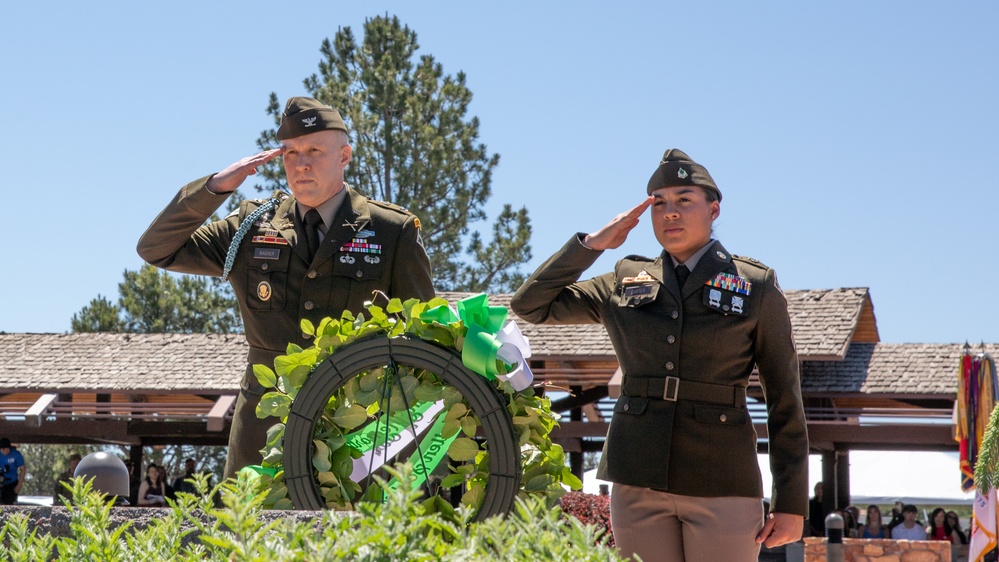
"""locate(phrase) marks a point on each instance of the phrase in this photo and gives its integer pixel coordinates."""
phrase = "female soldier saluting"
(688, 328)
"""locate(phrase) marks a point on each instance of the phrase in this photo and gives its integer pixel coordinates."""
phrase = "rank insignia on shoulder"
(416, 223)
(730, 282)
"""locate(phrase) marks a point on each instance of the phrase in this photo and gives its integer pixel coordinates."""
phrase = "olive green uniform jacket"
(275, 284)
(692, 434)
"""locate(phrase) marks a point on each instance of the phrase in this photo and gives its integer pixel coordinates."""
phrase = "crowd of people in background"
(904, 523)
(152, 490)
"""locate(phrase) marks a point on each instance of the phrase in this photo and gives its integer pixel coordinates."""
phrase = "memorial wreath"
(397, 409)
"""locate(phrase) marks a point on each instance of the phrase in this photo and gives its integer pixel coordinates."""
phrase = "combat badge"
(727, 293)
(264, 291)
(638, 290)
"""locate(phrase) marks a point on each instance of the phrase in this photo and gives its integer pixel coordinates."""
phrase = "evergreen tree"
(415, 147)
(154, 301)
(101, 315)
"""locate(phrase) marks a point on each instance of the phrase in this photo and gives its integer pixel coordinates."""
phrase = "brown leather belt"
(673, 389)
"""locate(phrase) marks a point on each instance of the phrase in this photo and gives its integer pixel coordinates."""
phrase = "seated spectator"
(909, 529)
(152, 490)
(896, 515)
(955, 523)
(872, 527)
(61, 493)
(855, 513)
(939, 528)
(849, 524)
(181, 484)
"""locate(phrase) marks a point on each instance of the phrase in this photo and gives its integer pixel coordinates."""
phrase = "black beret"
(306, 115)
(676, 168)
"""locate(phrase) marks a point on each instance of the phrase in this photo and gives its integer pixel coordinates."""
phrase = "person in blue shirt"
(12, 469)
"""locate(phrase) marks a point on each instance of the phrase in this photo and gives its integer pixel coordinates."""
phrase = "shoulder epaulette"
(389, 206)
(752, 262)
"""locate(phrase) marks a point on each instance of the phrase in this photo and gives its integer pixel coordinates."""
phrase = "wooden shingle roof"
(824, 323)
(128, 363)
(904, 369)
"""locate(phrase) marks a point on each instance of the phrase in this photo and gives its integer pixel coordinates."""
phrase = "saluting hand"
(614, 233)
(232, 177)
(780, 528)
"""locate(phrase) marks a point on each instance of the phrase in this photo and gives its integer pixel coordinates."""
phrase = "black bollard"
(834, 537)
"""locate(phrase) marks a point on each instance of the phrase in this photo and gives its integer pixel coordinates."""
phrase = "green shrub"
(399, 529)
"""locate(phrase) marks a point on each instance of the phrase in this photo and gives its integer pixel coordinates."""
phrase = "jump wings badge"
(726, 293)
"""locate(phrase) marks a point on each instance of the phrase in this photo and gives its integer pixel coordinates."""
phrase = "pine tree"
(414, 146)
(154, 301)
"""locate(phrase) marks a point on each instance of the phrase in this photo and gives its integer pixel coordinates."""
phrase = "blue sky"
(854, 142)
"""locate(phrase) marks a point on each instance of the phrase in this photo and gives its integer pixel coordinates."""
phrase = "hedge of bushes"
(399, 529)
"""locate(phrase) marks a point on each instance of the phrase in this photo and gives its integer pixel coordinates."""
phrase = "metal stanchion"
(834, 537)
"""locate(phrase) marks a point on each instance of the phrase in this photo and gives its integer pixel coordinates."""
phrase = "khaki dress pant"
(664, 527)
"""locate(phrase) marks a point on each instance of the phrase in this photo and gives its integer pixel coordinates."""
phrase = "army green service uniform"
(681, 424)
(370, 246)
(681, 447)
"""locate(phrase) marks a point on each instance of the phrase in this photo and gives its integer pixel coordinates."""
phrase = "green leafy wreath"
(360, 401)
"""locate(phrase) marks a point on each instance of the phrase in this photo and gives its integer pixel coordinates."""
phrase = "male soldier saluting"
(313, 254)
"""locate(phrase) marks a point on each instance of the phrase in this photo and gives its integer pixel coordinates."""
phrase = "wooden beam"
(216, 416)
(37, 412)
(579, 398)
(614, 385)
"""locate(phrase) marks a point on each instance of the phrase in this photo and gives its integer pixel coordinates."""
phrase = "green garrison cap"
(676, 168)
(303, 116)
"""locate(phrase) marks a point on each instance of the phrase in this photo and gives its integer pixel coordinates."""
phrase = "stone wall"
(884, 550)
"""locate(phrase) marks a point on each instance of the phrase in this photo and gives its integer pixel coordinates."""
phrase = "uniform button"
(312, 274)
(265, 266)
(670, 339)
(669, 365)
(360, 273)
(674, 315)
(627, 407)
(723, 418)
(308, 305)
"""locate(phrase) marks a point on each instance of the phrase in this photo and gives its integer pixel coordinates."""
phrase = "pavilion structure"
(153, 389)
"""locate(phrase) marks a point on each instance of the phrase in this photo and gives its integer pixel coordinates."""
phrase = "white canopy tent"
(879, 477)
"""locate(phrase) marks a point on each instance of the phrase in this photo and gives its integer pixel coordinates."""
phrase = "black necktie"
(312, 222)
(682, 273)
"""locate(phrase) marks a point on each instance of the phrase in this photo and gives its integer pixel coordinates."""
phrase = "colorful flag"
(983, 526)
